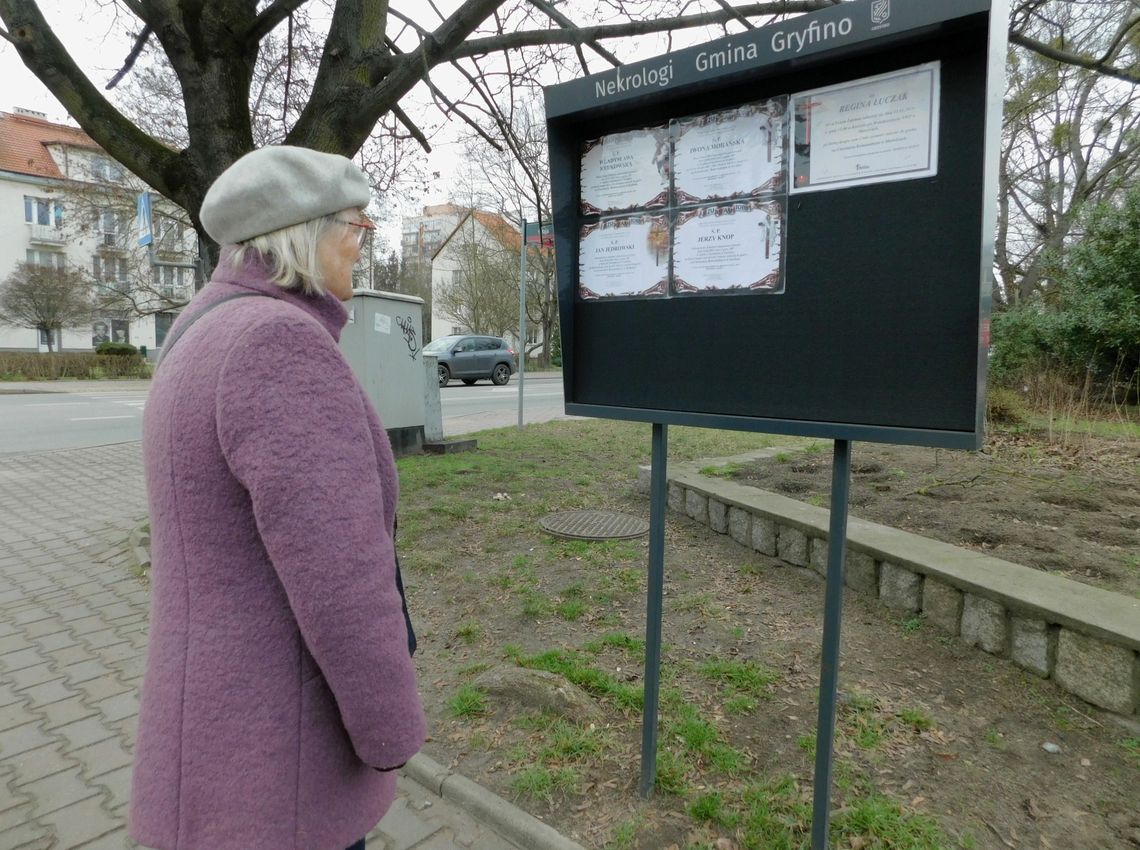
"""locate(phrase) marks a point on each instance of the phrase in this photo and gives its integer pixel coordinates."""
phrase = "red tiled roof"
(24, 142)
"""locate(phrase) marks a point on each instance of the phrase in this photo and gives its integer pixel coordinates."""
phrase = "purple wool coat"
(278, 684)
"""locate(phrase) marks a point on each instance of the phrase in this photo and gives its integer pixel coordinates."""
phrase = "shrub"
(1005, 407)
(116, 349)
(31, 366)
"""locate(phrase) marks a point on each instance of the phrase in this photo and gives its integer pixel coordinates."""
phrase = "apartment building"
(65, 202)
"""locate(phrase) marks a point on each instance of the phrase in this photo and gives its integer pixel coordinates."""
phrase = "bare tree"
(46, 298)
(483, 293)
(1072, 134)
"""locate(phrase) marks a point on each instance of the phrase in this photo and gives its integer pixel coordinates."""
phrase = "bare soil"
(477, 579)
(1069, 508)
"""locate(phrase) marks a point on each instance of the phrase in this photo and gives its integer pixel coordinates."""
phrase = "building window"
(169, 280)
(36, 257)
(456, 330)
(45, 211)
(162, 323)
(103, 168)
(111, 272)
(109, 226)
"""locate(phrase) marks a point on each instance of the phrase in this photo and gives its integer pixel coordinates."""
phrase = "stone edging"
(1084, 638)
(508, 820)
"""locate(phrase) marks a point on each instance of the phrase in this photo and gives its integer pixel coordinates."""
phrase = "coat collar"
(254, 273)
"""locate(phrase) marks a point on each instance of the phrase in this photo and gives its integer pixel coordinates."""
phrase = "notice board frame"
(882, 331)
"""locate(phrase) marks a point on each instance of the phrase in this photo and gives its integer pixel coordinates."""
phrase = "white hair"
(291, 253)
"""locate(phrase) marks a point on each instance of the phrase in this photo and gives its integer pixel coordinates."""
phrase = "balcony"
(46, 234)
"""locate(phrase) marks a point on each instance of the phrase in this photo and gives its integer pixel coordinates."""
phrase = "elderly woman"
(279, 693)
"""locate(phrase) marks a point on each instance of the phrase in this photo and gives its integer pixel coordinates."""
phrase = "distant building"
(64, 201)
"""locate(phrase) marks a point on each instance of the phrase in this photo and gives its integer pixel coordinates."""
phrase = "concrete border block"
(697, 506)
(1097, 672)
(676, 498)
(900, 588)
(718, 516)
(861, 572)
(792, 546)
(644, 475)
(984, 624)
(1032, 645)
(764, 534)
(942, 605)
(817, 552)
(740, 525)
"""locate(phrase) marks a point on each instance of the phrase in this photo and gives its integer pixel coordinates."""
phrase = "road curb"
(508, 820)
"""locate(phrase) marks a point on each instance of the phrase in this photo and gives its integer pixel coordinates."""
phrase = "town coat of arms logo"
(880, 11)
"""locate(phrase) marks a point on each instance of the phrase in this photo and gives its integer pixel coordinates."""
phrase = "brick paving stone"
(48, 693)
(116, 840)
(12, 642)
(100, 689)
(38, 763)
(83, 732)
(13, 817)
(55, 641)
(404, 828)
(58, 790)
(65, 711)
(20, 659)
(69, 655)
(117, 783)
(87, 624)
(26, 836)
(20, 739)
(119, 707)
(102, 638)
(101, 758)
(41, 628)
(92, 668)
(81, 823)
(113, 655)
(30, 677)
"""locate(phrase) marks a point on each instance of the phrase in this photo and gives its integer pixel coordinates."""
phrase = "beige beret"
(278, 186)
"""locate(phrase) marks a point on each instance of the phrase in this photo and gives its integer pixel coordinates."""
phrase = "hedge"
(29, 366)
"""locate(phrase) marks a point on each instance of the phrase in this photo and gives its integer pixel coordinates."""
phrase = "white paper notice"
(626, 170)
(624, 257)
(867, 131)
(382, 324)
(731, 154)
(729, 247)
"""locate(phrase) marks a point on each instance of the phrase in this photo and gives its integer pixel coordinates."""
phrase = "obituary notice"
(729, 247)
(734, 153)
(624, 257)
(876, 129)
(624, 171)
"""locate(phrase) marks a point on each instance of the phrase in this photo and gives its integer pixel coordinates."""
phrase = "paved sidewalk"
(73, 633)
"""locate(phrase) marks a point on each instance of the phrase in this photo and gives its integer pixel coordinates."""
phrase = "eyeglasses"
(364, 227)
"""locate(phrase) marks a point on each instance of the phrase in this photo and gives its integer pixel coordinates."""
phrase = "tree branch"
(270, 17)
(568, 24)
(129, 63)
(41, 51)
(416, 132)
(1069, 58)
(585, 35)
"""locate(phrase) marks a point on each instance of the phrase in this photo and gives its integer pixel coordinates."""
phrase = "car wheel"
(501, 374)
(467, 382)
(444, 375)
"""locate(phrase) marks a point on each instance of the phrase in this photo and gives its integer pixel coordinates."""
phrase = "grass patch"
(574, 668)
(469, 632)
(917, 718)
(468, 701)
(1131, 745)
(727, 470)
(542, 783)
(745, 677)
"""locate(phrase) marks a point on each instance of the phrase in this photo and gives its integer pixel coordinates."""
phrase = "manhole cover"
(594, 525)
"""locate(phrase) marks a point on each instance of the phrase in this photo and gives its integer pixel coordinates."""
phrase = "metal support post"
(658, 498)
(832, 624)
(522, 323)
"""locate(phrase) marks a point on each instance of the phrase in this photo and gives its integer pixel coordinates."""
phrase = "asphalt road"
(35, 422)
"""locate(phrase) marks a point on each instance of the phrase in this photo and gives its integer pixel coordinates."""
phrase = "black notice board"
(879, 334)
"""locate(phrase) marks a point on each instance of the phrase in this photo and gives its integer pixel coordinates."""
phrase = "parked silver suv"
(471, 356)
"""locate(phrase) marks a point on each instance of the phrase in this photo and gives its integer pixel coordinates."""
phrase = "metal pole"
(658, 498)
(522, 324)
(829, 662)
